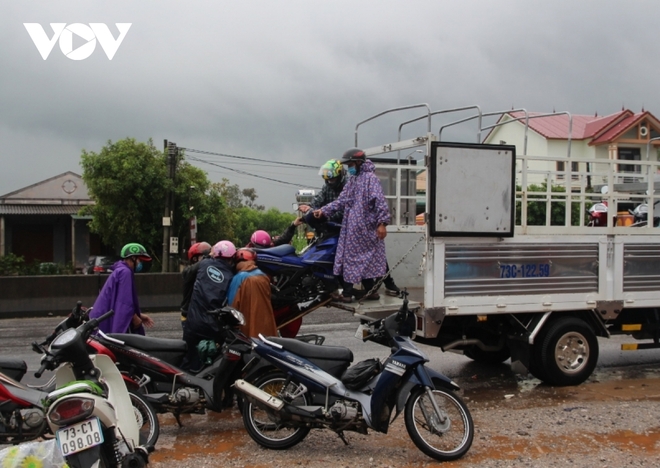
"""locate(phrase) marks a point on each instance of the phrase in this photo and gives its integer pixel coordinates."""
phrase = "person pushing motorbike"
(250, 293)
(197, 252)
(260, 239)
(336, 178)
(361, 249)
(214, 275)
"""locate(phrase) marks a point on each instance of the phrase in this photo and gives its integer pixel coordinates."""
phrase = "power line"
(248, 158)
(192, 158)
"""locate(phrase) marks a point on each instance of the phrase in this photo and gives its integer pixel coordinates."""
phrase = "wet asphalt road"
(338, 327)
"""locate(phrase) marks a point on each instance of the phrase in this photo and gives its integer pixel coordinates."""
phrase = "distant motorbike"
(300, 283)
(312, 386)
(22, 412)
(598, 214)
(641, 213)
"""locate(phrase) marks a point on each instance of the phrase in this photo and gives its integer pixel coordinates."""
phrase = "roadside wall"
(30, 296)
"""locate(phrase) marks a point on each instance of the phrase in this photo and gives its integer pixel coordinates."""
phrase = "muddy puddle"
(515, 419)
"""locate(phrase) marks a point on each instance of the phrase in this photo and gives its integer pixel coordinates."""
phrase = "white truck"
(502, 276)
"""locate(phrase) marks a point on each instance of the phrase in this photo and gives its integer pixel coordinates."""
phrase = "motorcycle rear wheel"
(443, 438)
(146, 418)
(266, 428)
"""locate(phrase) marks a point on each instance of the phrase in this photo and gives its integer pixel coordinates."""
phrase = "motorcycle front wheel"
(445, 436)
(146, 418)
(268, 429)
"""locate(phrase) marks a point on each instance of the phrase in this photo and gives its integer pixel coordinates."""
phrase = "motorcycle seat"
(313, 351)
(14, 368)
(279, 251)
(149, 343)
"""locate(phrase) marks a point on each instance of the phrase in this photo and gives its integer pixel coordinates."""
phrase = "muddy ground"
(612, 420)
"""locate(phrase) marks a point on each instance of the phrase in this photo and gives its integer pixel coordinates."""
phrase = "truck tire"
(568, 352)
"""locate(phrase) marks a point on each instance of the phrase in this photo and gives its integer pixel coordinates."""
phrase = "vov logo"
(89, 33)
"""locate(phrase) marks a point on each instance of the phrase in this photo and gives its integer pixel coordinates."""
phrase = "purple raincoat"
(118, 294)
(360, 253)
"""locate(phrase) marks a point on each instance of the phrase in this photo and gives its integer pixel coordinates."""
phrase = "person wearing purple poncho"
(361, 246)
(119, 294)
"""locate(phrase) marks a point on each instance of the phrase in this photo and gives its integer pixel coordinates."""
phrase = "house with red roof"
(580, 141)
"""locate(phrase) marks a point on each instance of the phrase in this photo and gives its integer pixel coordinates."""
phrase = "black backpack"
(358, 375)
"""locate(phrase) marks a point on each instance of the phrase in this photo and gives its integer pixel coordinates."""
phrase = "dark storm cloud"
(289, 80)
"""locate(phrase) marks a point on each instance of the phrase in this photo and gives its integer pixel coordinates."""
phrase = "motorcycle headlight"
(64, 338)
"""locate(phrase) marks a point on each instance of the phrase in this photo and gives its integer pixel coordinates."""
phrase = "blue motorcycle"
(313, 387)
(300, 283)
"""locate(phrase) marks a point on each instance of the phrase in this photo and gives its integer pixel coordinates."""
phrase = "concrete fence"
(30, 296)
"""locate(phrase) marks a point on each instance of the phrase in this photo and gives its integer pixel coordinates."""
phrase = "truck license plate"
(81, 436)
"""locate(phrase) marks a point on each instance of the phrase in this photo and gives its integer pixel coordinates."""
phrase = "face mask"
(138, 267)
(352, 171)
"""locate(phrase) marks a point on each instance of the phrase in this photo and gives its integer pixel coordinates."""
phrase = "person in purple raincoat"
(118, 294)
(361, 246)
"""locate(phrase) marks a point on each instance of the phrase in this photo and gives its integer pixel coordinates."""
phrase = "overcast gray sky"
(288, 80)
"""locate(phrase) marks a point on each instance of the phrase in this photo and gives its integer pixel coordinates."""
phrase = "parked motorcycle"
(300, 283)
(22, 413)
(90, 411)
(152, 366)
(314, 387)
(598, 214)
(641, 213)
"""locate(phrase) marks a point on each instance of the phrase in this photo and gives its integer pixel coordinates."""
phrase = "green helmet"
(134, 250)
(331, 169)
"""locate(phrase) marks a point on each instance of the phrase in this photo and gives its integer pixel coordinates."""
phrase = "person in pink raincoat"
(361, 247)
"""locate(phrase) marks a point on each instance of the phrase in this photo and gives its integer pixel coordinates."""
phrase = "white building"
(580, 141)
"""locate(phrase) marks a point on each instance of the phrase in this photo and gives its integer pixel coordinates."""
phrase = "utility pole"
(172, 156)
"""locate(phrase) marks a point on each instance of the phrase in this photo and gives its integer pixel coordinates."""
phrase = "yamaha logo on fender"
(215, 274)
(395, 367)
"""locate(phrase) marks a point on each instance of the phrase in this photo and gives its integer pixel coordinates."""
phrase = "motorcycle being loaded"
(301, 283)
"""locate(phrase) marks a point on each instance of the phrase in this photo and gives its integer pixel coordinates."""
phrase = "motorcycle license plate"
(79, 437)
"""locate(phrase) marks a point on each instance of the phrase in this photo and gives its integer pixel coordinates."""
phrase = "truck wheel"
(487, 357)
(568, 352)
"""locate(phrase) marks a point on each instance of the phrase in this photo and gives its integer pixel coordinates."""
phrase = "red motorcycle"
(598, 214)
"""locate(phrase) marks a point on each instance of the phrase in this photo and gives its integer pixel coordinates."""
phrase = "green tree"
(128, 181)
(237, 197)
(249, 220)
(537, 206)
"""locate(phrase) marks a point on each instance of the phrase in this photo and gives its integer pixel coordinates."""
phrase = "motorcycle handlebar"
(93, 323)
(41, 370)
(73, 320)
